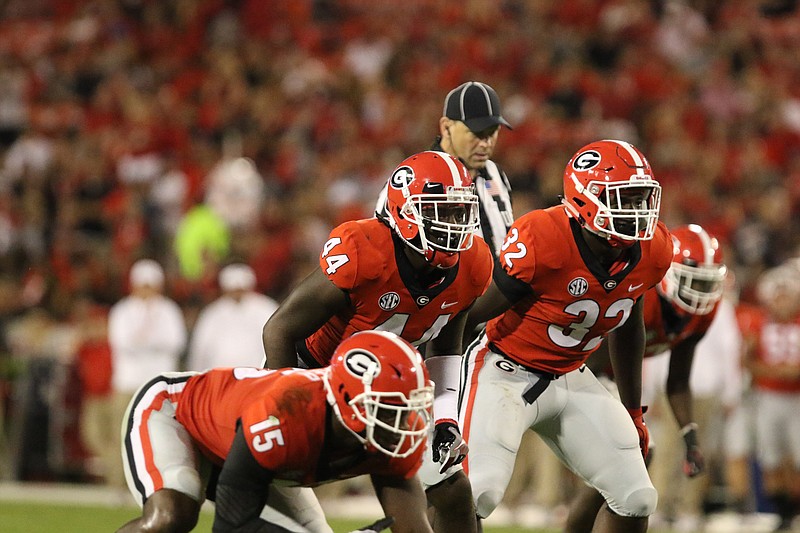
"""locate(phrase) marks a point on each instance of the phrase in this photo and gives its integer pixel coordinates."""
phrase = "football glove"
(693, 463)
(377, 526)
(637, 415)
(448, 447)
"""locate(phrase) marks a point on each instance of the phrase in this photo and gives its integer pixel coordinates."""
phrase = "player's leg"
(165, 510)
(595, 438)
(587, 502)
(450, 505)
(295, 509)
(793, 470)
(494, 417)
(774, 415)
(583, 509)
(739, 449)
(161, 465)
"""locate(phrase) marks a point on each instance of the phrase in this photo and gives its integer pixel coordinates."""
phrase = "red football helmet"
(609, 188)
(431, 204)
(696, 278)
(380, 390)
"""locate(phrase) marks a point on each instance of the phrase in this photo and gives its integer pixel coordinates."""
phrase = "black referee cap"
(476, 105)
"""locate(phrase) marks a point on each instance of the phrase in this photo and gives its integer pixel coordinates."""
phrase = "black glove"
(448, 447)
(693, 463)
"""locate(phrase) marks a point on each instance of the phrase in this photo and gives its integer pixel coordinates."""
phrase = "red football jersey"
(666, 332)
(776, 344)
(574, 301)
(362, 258)
(283, 415)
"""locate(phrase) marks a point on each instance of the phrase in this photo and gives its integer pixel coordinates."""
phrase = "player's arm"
(679, 395)
(312, 303)
(600, 360)
(242, 492)
(626, 351)
(503, 292)
(404, 500)
(443, 360)
(678, 391)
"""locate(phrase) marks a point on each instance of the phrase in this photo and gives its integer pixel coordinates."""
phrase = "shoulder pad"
(481, 262)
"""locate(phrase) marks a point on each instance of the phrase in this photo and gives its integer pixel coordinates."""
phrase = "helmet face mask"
(393, 423)
(447, 224)
(695, 281)
(380, 391)
(630, 211)
(698, 288)
(432, 206)
(609, 189)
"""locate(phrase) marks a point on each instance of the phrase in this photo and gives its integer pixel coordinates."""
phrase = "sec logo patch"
(578, 287)
(389, 301)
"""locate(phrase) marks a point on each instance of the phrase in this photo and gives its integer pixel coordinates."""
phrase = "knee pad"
(185, 479)
(639, 503)
(487, 501)
(489, 485)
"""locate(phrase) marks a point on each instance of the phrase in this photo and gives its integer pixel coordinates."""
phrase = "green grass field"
(51, 518)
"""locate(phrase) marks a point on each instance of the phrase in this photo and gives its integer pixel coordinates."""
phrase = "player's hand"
(448, 447)
(637, 415)
(376, 527)
(693, 463)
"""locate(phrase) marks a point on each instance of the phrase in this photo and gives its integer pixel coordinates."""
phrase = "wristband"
(445, 372)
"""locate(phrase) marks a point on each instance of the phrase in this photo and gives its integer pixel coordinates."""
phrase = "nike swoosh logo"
(632, 288)
(445, 305)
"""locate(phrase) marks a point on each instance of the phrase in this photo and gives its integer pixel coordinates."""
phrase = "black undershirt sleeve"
(512, 288)
(242, 492)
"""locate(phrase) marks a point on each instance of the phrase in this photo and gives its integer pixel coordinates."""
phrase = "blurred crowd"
(200, 133)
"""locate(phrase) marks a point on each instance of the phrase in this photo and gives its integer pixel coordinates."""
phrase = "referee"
(468, 130)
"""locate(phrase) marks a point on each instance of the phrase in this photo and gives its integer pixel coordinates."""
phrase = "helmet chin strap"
(441, 266)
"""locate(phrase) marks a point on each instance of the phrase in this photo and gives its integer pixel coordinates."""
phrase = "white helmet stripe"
(705, 238)
(637, 159)
(453, 168)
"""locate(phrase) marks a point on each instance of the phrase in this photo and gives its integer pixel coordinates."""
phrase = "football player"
(569, 277)
(677, 313)
(772, 355)
(415, 272)
(368, 412)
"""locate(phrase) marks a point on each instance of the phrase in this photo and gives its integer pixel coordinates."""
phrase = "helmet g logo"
(402, 177)
(586, 160)
(358, 362)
